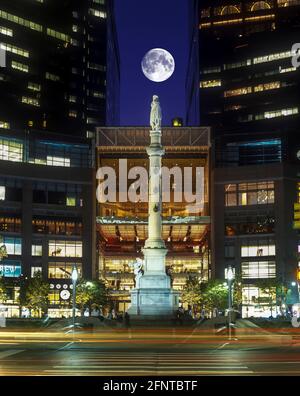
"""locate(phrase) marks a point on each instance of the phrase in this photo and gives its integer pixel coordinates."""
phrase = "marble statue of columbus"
(155, 115)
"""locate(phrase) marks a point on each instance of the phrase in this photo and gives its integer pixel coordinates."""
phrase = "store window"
(35, 270)
(62, 270)
(258, 269)
(54, 297)
(65, 248)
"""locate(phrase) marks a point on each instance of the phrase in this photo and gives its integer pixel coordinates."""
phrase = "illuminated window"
(2, 193)
(65, 248)
(4, 125)
(236, 65)
(30, 101)
(58, 161)
(21, 21)
(98, 94)
(288, 3)
(261, 249)
(53, 77)
(14, 50)
(287, 69)
(62, 270)
(97, 13)
(210, 83)
(238, 91)
(6, 31)
(19, 66)
(228, 10)
(13, 245)
(260, 5)
(258, 270)
(34, 86)
(35, 270)
(267, 86)
(272, 57)
(279, 113)
(71, 201)
(11, 150)
(96, 66)
(72, 99)
(73, 113)
(209, 70)
(58, 35)
(244, 194)
(36, 250)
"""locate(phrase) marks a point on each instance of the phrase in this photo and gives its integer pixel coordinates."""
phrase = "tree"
(88, 293)
(36, 294)
(238, 291)
(214, 295)
(191, 293)
(269, 287)
(3, 291)
(3, 254)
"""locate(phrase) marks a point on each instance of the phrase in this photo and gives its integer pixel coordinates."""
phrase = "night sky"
(143, 25)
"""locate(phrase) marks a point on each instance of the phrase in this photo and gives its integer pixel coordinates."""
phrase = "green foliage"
(88, 293)
(214, 295)
(36, 294)
(237, 290)
(3, 294)
(191, 293)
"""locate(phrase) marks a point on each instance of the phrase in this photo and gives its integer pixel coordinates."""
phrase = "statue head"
(155, 98)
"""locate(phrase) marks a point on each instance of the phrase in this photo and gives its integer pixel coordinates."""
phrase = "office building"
(54, 75)
(47, 213)
(247, 80)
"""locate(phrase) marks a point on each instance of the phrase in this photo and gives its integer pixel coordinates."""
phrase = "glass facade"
(58, 248)
(243, 194)
(63, 270)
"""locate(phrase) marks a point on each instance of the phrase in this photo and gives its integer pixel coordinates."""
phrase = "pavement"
(137, 351)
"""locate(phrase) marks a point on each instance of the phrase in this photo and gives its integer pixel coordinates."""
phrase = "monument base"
(153, 302)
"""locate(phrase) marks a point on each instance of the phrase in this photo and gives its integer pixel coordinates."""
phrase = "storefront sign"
(10, 271)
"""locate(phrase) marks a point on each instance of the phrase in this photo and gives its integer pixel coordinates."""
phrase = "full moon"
(158, 65)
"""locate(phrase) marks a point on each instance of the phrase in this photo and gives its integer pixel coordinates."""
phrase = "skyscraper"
(55, 68)
(247, 80)
(249, 94)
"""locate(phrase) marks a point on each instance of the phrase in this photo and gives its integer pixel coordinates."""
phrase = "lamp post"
(74, 277)
(230, 278)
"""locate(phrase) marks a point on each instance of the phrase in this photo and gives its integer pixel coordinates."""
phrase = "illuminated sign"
(10, 271)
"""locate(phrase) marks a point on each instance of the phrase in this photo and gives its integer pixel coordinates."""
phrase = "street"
(146, 352)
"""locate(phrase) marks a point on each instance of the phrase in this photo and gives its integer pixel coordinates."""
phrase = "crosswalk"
(94, 363)
(145, 363)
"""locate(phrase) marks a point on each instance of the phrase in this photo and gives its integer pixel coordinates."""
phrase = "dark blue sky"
(143, 25)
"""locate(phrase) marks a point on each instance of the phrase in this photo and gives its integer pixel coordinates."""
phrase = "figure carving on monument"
(155, 115)
(138, 270)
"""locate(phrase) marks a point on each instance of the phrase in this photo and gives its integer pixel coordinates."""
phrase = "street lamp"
(74, 277)
(230, 278)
